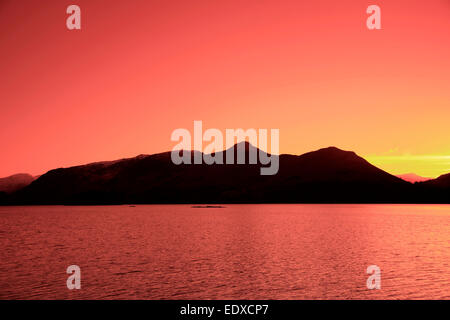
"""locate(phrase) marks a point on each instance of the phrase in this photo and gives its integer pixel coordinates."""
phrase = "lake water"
(236, 252)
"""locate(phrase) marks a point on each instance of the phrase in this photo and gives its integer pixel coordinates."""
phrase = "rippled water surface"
(235, 252)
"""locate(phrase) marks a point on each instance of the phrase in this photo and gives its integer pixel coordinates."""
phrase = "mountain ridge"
(412, 177)
(15, 182)
(327, 175)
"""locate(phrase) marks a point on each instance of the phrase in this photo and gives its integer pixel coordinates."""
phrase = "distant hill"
(328, 175)
(15, 182)
(412, 177)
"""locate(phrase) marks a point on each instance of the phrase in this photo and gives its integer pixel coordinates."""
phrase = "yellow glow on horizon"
(429, 166)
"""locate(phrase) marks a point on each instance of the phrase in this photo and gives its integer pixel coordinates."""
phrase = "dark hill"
(436, 190)
(327, 175)
(440, 182)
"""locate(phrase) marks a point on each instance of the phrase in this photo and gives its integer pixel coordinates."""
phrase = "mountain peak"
(243, 144)
(333, 149)
(333, 153)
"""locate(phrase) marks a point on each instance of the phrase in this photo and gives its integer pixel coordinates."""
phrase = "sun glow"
(430, 166)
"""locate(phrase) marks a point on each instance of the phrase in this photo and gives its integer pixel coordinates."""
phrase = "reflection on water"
(236, 252)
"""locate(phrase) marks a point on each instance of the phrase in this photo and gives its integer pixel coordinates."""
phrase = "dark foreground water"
(236, 252)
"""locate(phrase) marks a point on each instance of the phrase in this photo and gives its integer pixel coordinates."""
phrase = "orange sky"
(139, 69)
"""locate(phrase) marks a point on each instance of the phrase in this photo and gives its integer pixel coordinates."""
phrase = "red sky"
(140, 69)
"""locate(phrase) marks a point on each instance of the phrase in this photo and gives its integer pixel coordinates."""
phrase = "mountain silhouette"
(328, 175)
(440, 182)
(412, 177)
(15, 182)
